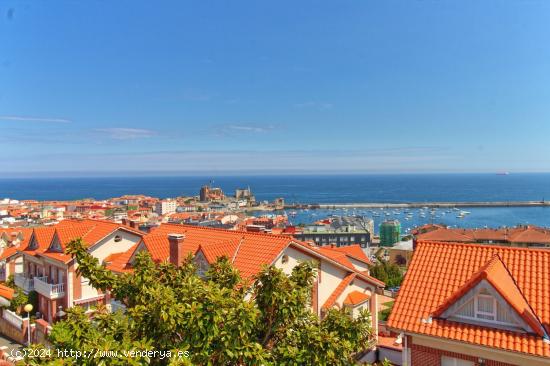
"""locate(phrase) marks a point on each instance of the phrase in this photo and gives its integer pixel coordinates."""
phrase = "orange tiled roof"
(496, 273)
(440, 271)
(338, 291)
(6, 292)
(355, 252)
(337, 256)
(8, 252)
(519, 234)
(249, 251)
(389, 342)
(120, 264)
(91, 231)
(356, 298)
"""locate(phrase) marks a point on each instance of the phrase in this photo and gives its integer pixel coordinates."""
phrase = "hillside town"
(466, 293)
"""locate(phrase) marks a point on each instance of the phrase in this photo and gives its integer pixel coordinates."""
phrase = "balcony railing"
(51, 291)
(12, 318)
(23, 282)
(2, 275)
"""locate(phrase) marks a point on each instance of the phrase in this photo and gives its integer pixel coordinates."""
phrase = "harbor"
(419, 205)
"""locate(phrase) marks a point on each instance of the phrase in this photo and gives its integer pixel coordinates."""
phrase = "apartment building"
(164, 207)
(48, 270)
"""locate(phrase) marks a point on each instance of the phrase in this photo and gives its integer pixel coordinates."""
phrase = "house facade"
(471, 304)
(48, 270)
(342, 280)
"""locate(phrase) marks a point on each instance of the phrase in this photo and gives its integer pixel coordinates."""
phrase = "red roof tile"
(354, 251)
(440, 270)
(338, 291)
(6, 292)
(356, 298)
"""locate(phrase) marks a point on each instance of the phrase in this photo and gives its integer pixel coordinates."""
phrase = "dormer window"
(485, 307)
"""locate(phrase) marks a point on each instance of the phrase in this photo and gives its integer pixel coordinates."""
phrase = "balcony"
(49, 290)
(23, 282)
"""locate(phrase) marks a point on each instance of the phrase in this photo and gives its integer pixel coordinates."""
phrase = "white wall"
(360, 266)
(108, 246)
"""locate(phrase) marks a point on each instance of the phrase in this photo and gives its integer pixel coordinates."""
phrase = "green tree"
(216, 319)
(387, 272)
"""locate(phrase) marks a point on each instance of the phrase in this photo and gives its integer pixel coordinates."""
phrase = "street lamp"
(28, 309)
(60, 314)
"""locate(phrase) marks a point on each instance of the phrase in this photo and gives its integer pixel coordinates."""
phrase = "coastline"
(423, 204)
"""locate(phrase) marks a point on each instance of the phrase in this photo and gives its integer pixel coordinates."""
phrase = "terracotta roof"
(389, 342)
(8, 252)
(356, 298)
(337, 256)
(26, 232)
(90, 231)
(6, 292)
(338, 291)
(440, 271)
(496, 273)
(121, 264)
(248, 251)
(354, 251)
(519, 234)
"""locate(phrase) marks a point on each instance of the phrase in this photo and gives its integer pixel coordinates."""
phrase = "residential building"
(339, 231)
(164, 207)
(342, 281)
(520, 236)
(474, 304)
(49, 271)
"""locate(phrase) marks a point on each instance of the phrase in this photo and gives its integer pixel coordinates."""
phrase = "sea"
(323, 189)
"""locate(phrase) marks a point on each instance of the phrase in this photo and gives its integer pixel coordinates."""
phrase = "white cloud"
(34, 119)
(242, 128)
(122, 133)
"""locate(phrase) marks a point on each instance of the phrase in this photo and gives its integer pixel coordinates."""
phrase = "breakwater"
(419, 205)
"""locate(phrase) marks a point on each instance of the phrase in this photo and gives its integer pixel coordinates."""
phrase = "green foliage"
(217, 319)
(10, 282)
(388, 273)
(19, 300)
(384, 315)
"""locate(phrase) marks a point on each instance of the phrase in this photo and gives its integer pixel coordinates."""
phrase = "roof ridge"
(477, 245)
(237, 250)
(484, 273)
(224, 230)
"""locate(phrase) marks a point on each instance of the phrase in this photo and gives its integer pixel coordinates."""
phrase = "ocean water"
(302, 189)
(324, 189)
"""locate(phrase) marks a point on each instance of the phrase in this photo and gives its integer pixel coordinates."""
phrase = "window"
(118, 238)
(284, 259)
(485, 307)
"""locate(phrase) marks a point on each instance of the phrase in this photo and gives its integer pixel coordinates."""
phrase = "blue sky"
(111, 87)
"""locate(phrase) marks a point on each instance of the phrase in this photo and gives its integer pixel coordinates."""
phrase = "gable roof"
(90, 231)
(496, 274)
(247, 250)
(338, 291)
(356, 298)
(440, 272)
(355, 252)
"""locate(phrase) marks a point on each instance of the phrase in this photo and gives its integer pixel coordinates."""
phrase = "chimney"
(176, 248)
(125, 222)
(134, 224)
